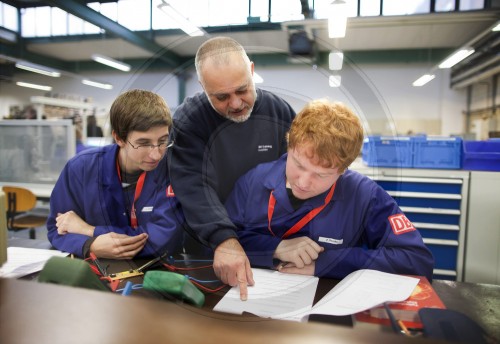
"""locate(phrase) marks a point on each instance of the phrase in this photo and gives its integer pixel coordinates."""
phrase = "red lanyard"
(137, 194)
(302, 222)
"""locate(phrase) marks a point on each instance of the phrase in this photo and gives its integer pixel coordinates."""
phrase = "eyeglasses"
(149, 147)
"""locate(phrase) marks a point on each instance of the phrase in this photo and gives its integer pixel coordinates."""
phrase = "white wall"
(380, 93)
(484, 116)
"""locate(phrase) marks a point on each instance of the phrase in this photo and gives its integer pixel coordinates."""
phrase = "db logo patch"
(400, 224)
(170, 191)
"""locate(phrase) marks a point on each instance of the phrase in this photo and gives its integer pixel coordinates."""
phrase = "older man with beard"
(218, 135)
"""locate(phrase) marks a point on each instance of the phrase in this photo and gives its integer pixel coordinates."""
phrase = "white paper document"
(289, 297)
(23, 261)
(275, 295)
(365, 289)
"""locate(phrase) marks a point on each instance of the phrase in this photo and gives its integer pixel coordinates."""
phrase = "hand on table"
(231, 265)
(118, 246)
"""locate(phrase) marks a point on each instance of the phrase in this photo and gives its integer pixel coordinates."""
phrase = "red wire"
(175, 268)
(199, 285)
(171, 268)
(95, 270)
(207, 289)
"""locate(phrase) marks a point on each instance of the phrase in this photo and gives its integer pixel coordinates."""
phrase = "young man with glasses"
(116, 201)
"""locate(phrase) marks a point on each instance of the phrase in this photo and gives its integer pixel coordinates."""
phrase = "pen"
(394, 324)
(98, 265)
(404, 328)
(282, 265)
(151, 262)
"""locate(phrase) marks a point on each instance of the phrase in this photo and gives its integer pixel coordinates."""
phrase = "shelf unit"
(436, 202)
(41, 104)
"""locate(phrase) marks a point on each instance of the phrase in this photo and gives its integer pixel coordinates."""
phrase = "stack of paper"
(274, 295)
(290, 297)
(364, 289)
(23, 261)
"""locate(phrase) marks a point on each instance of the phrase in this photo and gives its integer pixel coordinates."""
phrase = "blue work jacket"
(362, 226)
(89, 185)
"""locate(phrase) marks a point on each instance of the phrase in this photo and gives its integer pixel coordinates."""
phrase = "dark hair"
(138, 110)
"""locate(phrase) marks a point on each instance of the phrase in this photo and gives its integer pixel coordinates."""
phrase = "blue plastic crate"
(388, 151)
(481, 155)
(437, 152)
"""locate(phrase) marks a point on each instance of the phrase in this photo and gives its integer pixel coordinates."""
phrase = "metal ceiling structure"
(426, 38)
(86, 13)
(483, 64)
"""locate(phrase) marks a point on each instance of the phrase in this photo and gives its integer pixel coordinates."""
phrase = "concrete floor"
(41, 233)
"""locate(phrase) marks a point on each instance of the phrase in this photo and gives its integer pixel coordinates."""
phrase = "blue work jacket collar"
(110, 181)
(110, 154)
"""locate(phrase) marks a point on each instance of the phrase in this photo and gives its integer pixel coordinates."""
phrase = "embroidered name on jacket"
(400, 224)
(264, 148)
(331, 240)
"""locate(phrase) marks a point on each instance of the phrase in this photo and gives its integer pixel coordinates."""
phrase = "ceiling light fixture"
(38, 69)
(423, 80)
(334, 80)
(335, 60)
(111, 62)
(456, 58)
(97, 84)
(496, 27)
(184, 24)
(35, 86)
(337, 19)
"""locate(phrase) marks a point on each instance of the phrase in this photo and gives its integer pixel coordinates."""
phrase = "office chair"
(19, 203)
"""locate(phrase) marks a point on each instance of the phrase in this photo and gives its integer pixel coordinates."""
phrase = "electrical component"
(72, 272)
(173, 284)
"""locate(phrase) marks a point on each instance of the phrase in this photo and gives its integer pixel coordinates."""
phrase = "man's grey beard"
(239, 119)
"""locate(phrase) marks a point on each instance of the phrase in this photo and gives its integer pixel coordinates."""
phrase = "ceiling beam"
(93, 17)
(24, 4)
(19, 53)
(39, 3)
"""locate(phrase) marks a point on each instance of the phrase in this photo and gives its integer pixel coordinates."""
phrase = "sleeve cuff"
(86, 247)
